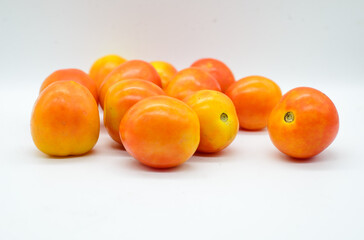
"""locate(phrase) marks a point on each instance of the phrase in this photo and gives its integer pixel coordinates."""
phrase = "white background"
(249, 190)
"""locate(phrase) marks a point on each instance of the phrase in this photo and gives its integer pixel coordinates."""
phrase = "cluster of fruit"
(163, 116)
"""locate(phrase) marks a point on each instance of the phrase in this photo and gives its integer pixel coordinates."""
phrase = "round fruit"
(304, 123)
(165, 70)
(218, 70)
(120, 97)
(65, 119)
(71, 74)
(190, 80)
(129, 70)
(160, 131)
(219, 123)
(103, 66)
(254, 98)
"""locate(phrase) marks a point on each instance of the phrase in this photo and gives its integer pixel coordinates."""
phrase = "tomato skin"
(65, 119)
(160, 131)
(219, 70)
(129, 70)
(71, 74)
(254, 98)
(219, 123)
(190, 80)
(304, 123)
(120, 97)
(103, 66)
(165, 70)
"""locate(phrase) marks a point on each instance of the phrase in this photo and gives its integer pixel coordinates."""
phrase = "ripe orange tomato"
(65, 119)
(165, 70)
(219, 122)
(129, 70)
(304, 123)
(103, 66)
(190, 80)
(71, 74)
(254, 98)
(160, 131)
(218, 70)
(120, 97)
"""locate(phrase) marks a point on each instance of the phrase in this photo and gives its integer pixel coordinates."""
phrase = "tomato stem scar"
(224, 117)
(289, 117)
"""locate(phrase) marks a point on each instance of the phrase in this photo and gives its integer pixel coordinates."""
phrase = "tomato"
(218, 70)
(165, 70)
(254, 98)
(120, 97)
(160, 131)
(129, 70)
(103, 66)
(65, 119)
(190, 80)
(219, 122)
(304, 123)
(71, 74)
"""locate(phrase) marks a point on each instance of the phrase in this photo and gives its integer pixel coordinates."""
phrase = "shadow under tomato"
(134, 164)
(116, 146)
(263, 131)
(324, 158)
(49, 159)
(223, 155)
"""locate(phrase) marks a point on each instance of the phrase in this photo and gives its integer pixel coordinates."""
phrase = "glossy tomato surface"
(65, 119)
(219, 122)
(304, 123)
(219, 70)
(133, 69)
(120, 97)
(190, 80)
(160, 131)
(254, 98)
(103, 66)
(71, 74)
(165, 70)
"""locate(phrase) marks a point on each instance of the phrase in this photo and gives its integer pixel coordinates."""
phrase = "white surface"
(249, 190)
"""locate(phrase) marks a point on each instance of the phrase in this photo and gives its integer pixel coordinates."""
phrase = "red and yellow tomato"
(218, 70)
(254, 98)
(133, 69)
(190, 80)
(120, 97)
(160, 131)
(71, 74)
(304, 123)
(65, 119)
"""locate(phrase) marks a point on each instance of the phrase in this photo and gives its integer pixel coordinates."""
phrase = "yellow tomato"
(165, 70)
(103, 66)
(219, 122)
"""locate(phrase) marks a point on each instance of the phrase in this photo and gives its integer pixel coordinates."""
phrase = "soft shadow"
(49, 159)
(116, 146)
(213, 157)
(135, 165)
(263, 131)
(325, 158)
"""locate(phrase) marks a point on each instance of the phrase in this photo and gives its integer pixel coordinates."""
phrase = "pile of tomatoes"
(162, 116)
